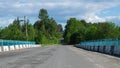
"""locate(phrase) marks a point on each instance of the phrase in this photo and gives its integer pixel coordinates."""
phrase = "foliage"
(44, 31)
(47, 29)
(12, 32)
(79, 30)
(72, 28)
(17, 31)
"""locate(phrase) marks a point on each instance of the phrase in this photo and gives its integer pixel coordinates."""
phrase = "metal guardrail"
(103, 42)
(14, 42)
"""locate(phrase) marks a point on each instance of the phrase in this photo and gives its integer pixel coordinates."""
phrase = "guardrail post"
(112, 50)
(98, 48)
(2, 46)
(104, 47)
(93, 48)
(8, 44)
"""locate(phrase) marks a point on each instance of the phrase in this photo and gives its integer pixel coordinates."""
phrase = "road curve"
(57, 57)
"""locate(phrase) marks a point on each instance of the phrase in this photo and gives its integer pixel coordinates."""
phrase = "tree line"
(44, 31)
(80, 30)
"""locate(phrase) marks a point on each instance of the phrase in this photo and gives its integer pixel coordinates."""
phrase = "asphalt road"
(57, 57)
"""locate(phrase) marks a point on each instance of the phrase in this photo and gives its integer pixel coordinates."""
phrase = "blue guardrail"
(14, 42)
(102, 42)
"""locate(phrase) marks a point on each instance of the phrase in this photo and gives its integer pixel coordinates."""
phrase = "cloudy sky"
(61, 10)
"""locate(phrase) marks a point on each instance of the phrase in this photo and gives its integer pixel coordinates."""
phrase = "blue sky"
(61, 10)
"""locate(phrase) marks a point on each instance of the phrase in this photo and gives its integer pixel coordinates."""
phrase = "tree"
(31, 32)
(47, 29)
(17, 31)
(43, 14)
(72, 28)
(77, 31)
(13, 31)
(91, 33)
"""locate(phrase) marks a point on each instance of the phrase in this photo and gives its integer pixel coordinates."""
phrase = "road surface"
(57, 57)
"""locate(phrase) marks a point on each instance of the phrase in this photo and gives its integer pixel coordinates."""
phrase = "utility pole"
(26, 31)
(24, 21)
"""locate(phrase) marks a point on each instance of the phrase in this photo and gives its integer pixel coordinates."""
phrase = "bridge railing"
(14, 42)
(110, 46)
(7, 45)
(103, 42)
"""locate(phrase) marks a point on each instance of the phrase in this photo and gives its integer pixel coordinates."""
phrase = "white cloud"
(59, 9)
(4, 22)
(88, 11)
(93, 19)
(114, 19)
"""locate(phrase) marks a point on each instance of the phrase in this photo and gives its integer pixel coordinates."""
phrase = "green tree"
(91, 32)
(72, 28)
(77, 31)
(31, 32)
(43, 14)
(47, 29)
(13, 31)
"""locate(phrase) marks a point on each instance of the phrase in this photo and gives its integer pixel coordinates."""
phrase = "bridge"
(22, 54)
